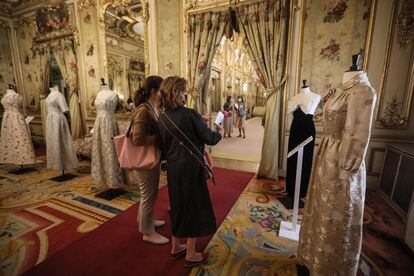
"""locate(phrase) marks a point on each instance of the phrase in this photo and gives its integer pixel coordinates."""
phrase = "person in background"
(228, 120)
(191, 211)
(240, 108)
(144, 132)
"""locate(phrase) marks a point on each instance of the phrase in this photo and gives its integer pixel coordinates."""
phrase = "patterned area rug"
(247, 242)
(38, 217)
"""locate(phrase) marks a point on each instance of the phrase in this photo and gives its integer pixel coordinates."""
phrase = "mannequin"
(353, 70)
(105, 167)
(60, 150)
(15, 141)
(337, 190)
(303, 106)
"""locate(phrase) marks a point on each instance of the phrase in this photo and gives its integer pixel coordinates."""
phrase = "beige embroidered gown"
(105, 167)
(331, 231)
(60, 150)
(15, 142)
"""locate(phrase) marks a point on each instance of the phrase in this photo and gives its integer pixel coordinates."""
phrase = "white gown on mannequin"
(15, 143)
(105, 167)
(307, 100)
(60, 150)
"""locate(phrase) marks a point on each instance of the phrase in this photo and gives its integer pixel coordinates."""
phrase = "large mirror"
(332, 31)
(6, 62)
(125, 35)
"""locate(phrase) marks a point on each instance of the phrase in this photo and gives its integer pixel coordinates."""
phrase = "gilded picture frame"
(53, 21)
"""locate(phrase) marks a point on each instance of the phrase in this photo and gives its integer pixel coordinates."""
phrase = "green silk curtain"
(263, 27)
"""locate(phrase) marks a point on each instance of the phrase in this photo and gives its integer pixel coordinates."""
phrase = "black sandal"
(179, 254)
(204, 260)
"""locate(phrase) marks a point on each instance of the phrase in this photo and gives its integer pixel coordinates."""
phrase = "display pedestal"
(286, 231)
(111, 193)
(22, 170)
(290, 230)
(64, 177)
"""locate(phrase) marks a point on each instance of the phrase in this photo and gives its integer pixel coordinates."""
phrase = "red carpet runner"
(116, 248)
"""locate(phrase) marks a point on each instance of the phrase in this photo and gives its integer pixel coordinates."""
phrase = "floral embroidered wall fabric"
(168, 37)
(6, 67)
(333, 31)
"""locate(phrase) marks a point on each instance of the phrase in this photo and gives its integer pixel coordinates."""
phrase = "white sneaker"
(158, 223)
(156, 240)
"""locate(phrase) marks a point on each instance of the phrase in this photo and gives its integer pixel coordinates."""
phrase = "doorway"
(231, 60)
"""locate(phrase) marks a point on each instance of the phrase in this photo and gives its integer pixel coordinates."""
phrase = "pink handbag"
(135, 157)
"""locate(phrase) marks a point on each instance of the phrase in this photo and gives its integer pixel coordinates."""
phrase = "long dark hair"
(144, 92)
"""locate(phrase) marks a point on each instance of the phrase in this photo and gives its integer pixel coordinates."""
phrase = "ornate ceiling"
(126, 22)
(9, 6)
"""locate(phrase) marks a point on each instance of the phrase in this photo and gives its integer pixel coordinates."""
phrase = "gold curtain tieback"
(273, 90)
(194, 92)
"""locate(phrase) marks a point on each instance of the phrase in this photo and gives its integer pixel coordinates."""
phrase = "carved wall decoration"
(91, 72)
(90, 49)
(405, 24)
(85, 4)
(87, 19)
(392, 116)
(7, 6)
(26, 58)
(397, 80)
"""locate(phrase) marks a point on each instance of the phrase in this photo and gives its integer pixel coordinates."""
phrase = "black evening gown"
(191, 212)
(302, 127)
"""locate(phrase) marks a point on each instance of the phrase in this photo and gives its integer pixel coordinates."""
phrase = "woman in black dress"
(191, 211)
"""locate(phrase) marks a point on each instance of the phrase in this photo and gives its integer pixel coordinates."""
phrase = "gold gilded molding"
(68, 30)
(84, 4)
(405, 24)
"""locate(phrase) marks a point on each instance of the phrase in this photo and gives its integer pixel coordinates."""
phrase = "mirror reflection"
(124, 28)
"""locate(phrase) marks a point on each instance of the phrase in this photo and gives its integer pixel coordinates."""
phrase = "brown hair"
(144, 92)
(171, 89)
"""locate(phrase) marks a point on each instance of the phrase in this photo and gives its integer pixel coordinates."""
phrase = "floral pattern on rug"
(247, 242)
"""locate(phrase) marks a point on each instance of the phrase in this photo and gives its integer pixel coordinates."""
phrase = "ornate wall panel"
(397, 78)
(169, 40)
(25, 31)
(91, 55)
(6, 59)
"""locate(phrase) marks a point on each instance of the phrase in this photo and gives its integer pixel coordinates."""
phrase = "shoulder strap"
(185, 136)
(182, 144)
(154, 115)
(128, 133)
